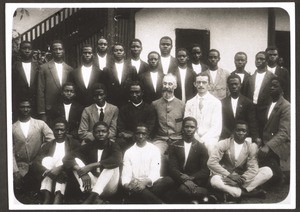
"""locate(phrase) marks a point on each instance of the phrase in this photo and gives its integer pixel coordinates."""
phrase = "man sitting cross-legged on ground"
(141, 170)
(96, 165)
(188, 165)
(235, 168)
(49, 162)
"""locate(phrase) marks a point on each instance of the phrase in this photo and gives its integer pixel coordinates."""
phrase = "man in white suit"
(207, 110)
(28, 135)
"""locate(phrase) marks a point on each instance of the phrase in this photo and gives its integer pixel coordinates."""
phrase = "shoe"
(257, 193)
(228, 199)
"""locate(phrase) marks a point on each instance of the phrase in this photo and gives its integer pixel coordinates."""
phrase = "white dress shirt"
(25, 127)
(119, 68)
(154, 76)
(165, 62)
(213, 75)
(100, 151)
(271, 109)
(187, 147)
(197, 68)
(86, 74)
(27, 70)
(59, 69)
(234, 105)
(141, 163)
(136, 64)
(258, 81)
(99, 109)
(59, 153)
(237, 149)
(271, 69)
(182, 73)
(67, 108)
(241, 76)
(102, 61)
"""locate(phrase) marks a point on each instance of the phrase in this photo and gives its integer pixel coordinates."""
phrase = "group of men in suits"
(191, 115)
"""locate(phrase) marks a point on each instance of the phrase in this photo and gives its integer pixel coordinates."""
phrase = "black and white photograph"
(118, 106)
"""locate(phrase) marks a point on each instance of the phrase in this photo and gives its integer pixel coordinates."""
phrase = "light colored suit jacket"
(222, 161)
(90, 116)
(219, 88)
(276, 134)
(49, 87)
(26, 149)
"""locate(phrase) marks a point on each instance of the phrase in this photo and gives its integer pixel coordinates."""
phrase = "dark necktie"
(101, 115)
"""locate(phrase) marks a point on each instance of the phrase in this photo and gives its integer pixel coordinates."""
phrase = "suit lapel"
(274, 111)
(264, 82)
(218, 77)
(239, 106)
(93, 76)
(81, 84)
(54, 74)
(232, 152)
(19, 130)
(65, 73)
(107, 113)
(242, 156)
(94, 113)
(33, 73)
(22, 72)
(115, 73)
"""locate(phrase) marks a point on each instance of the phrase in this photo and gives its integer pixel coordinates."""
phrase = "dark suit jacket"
(190, 89)
(196, 164)
(246, 78)
(85, 95)
(143, 67)
(48, 150)
(172, 66)
(284, 76)
(150, 94)
(58, 111)
(20, 87)
(244, 111)
(109, 60)
(117, 93)
(49, 88)
(111, 157)
(204, 67)
(277, 131)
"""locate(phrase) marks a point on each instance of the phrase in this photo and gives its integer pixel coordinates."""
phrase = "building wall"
(282, 20)
(231, 30)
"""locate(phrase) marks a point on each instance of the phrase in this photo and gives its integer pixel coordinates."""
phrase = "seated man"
(235, 168)
(96, 165)
(188, 165)
(141, 170)
(99, 111)
(134, 112)
(28, 135)
(49, 162)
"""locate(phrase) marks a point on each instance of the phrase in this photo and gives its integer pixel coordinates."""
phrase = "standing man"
(234, 166)
(49, 163)
(188, 165)
(96, 165)
(168, 63)
(99, 111)
(24, 78)
(196, 63)
(185, 89)
(281, 72)
(207, 110)
(141, 171)
(134, 112)
(275, 151)
(240, 61)
(85, 76)
(135, 60)
(53, 75)
(66, 107)
(119, 75)
(152, 78)
(28, 135)
(218, 76)
(169, 111)
(257, 89)
(102, 58)
(238, 107)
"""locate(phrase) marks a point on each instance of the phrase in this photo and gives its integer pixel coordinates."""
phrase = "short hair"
(233, 76)
(171, 75)
(141, 124)
(25, 99)
(241, 53)
(97, 86)
(261, 52)
(87, 45)
(100, 123)
(25, 42)
(60, 120)
(102, 38)
(56, 41)
(196, 45)
(68, 84)
(136, 83)
(277, 79)
(136, 40)
(154, 52)
(271, 48)
(189, 118)
(167, 38)
(240, 121)
(117, 44)
(203, 74)
(181, 49)
(214, 50)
